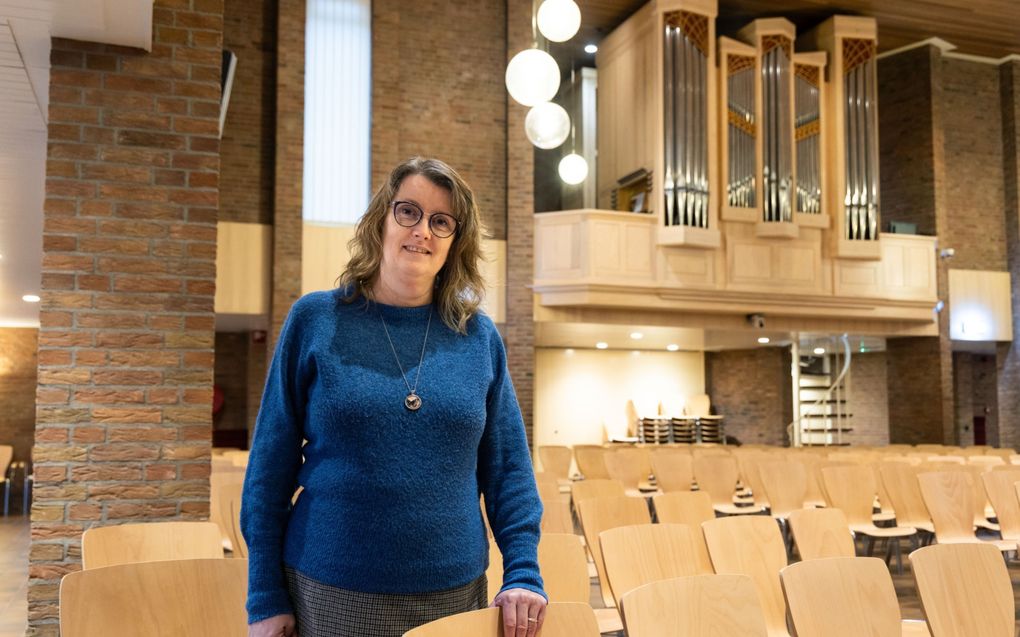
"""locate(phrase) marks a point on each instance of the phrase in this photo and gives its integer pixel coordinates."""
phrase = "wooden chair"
(844, 597)
(785, 484)
(810, 461)
(590, 461)
(556, 460)
(901, 484)
(965, 590)
(690, 508)
(821, 533)
(556, 516)
(1002, 494)
(982, 507)
(752, 545)
(149, 542)
(595, 488)
(229, 499)
(630, 466)
(673, 469)
(852, 489)
(949, 498)
(640, 554)
(717, 476)
(199, 598)
(698, 606)
(562, 619)
(601, 514)
(562, 563)
(747, 464)
(218, 479)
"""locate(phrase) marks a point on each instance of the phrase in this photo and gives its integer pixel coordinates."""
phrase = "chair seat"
(877, 531)
(641, 493)
(609, 620)
(1002, 545)
(884, 516)
(988, 526)
(915, 628)
(732, 509)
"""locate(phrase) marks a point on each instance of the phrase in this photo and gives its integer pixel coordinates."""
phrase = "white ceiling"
(26, 27)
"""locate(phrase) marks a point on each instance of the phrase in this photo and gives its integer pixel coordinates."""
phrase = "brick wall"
(125, 362)
(916, 401)
(246, 149)
(975, 377)
(232, 380)
(752, 388)
(18, 370)
(963, 389)
(869, 402)
(1008, 355)
(445, 98)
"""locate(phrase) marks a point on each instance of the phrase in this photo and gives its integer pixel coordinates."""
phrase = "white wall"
(582, 393)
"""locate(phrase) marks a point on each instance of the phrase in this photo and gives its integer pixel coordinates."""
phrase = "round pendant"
(413, 401)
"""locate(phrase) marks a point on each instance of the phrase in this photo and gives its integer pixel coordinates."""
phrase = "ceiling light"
(573, 169)
(673, 347)
(590, 48)
(763, 340)
(602, 345)
(532, 77)
(559, 20)
(819, 350)
(547, 125)
(30, 298)
(637, 336)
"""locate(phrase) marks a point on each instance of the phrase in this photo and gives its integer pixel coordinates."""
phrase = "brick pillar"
(290, 130)
(520, 248)
(126, 339)
(1009, 353)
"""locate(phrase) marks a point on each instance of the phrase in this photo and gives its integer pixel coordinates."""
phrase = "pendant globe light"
(532, 77)
(559, 20)
(573, 169)
(547, 125)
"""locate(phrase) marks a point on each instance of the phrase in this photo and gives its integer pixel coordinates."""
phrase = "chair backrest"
(901, 484)
(149, 542)
(556, 459)
(200, 598)
(949, 498)
(698, 606)
(562, 619)
(999, 485)
(639, 554)
(747, 464)
(717, 476)
(673, 469)
(690, 508)
(601, 514)
(6, 455)
(629, 466)
(821, 533)
(842, 597)
(851, 488)
(589, 461)
(809, 461)
(217, 480)
(965, 590)
(230, 511)
(548, 487)
(751, 545)
(556, 517)
(698, 405)
(979, 501)
(595, 488)
(785, 484)
(562, 562)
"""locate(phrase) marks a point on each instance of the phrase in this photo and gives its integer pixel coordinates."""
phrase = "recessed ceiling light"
(569, 351)
(637, 336)
(673, 347)
(30, 298)
(819, 350)
(763, 340)
(590, 48)
(602, 345)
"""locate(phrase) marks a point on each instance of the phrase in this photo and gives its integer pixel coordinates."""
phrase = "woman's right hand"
(277, 626)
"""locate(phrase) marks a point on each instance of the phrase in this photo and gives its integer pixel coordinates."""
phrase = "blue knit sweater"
(390, 496)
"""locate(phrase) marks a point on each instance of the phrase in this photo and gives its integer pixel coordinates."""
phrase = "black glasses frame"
(439, 232)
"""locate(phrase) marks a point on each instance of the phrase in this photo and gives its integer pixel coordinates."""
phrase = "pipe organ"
(766, 128)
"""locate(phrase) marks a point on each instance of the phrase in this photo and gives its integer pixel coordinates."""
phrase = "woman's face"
(415, 254)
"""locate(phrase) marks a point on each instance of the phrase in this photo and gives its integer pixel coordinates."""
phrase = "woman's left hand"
(523, 612)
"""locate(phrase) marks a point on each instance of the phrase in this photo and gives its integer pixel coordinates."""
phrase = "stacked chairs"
(690, 508)
(752, 545)
(640, 554)
(965, 590)
(200, 598)
(949, 497)
(821, 533)
(698, 606)
(844, 597)
(562, 619)
(149, 542)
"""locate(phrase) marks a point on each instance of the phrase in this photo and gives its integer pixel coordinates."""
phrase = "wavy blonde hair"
(459, 284)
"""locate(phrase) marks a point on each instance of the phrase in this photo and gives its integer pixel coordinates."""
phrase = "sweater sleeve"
(271, 477)
(507, 480)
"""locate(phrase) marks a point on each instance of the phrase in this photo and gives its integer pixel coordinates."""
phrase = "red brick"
(126, 377)
(54, 357)
(55, 319)
(107, 172)
(121, 101)
(93, 282)
(143, 156)
(90, 357)
(137, 84)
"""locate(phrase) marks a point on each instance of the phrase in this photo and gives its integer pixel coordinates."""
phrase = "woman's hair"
(459, 284)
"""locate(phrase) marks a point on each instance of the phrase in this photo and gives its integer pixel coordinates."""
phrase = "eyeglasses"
(409, 214)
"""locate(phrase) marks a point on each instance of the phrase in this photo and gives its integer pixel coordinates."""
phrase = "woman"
(398, 387)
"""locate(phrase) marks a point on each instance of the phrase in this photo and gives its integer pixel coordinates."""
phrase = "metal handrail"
(845, 339)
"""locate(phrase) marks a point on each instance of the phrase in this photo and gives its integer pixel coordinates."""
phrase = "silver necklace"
(413, 400)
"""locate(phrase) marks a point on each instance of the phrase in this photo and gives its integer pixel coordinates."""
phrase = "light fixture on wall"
(602, 345)
(30, 298)
(559, 20)
(673, 347)
(547, 125)
(764, 340)
(532, 77)
(819, 351)
(637, 336)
